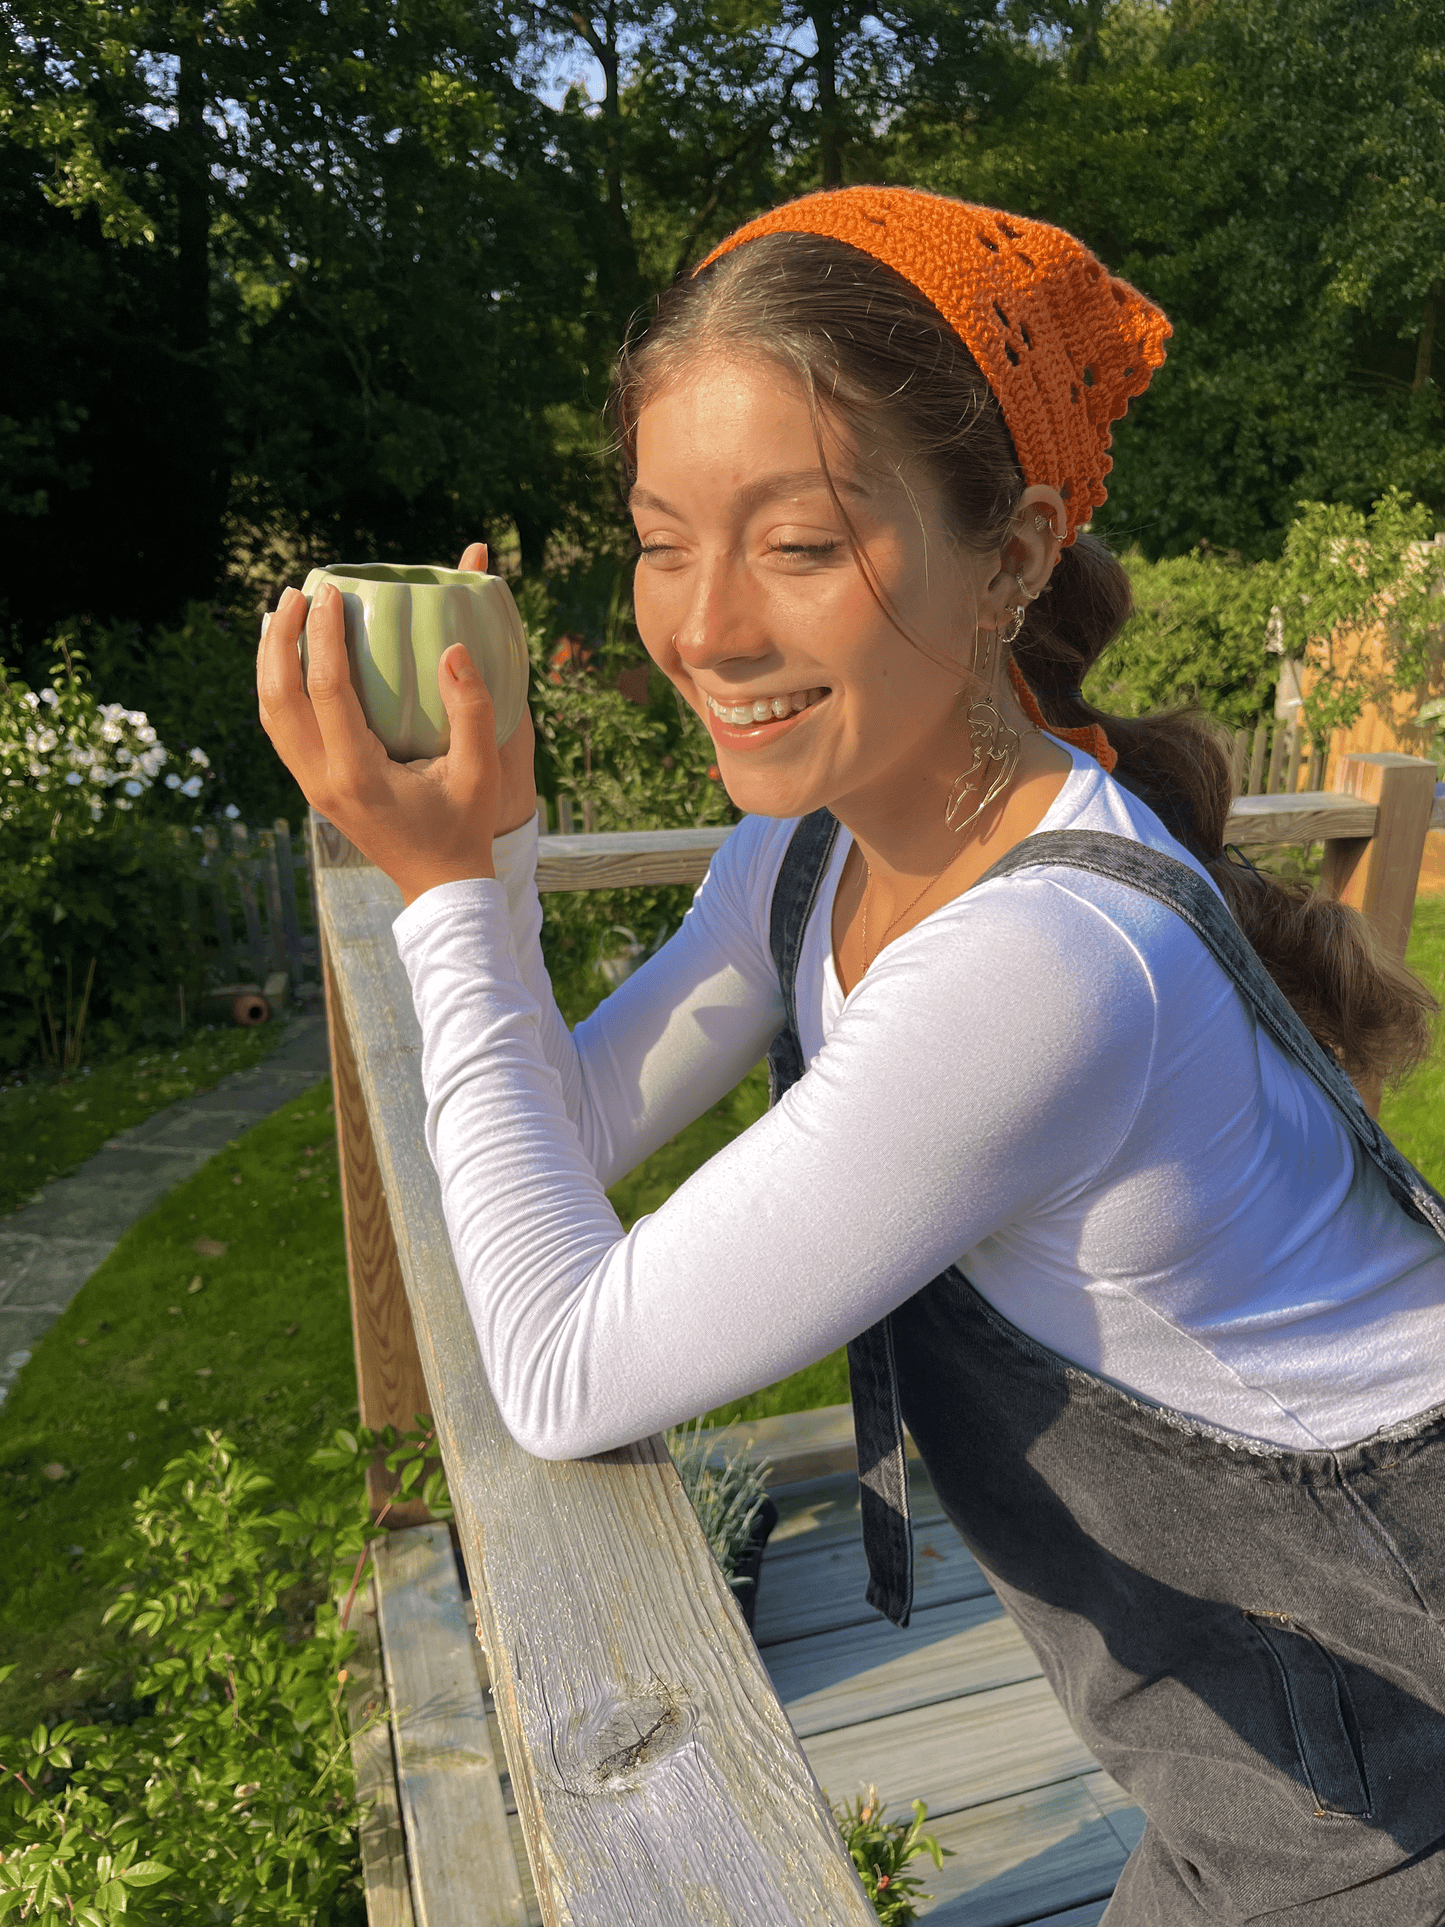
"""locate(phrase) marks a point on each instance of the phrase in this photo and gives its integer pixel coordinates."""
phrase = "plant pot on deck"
(744, 1581)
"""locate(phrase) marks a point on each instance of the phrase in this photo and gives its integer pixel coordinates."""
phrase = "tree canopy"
(307, 279)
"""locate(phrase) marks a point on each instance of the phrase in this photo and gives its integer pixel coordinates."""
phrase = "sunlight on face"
(747, 592)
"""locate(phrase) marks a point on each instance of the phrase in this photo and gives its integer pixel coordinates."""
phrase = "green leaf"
(145, 1873)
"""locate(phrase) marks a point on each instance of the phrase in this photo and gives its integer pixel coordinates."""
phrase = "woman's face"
(749, 598)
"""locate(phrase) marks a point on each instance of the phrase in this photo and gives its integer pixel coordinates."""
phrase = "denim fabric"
(1251, 1640)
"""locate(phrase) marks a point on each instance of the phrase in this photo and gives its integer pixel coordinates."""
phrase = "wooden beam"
(1378, 875)
(390, 1385)
(383, 1848)
(463, 1870)
(651, 1762)
(1311, 816)
(617, 858)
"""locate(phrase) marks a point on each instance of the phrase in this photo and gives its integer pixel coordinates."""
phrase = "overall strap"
(872, 1372)
(1185, 892)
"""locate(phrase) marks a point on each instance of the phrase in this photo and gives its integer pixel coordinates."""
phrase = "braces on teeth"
(769, 710)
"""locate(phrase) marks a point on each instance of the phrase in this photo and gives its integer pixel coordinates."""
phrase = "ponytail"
(1357, 1000)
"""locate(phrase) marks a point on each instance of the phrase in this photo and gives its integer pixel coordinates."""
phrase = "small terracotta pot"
(400, 622)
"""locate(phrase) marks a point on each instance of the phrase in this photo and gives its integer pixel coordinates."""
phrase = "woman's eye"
(657, 548)
(817, 550)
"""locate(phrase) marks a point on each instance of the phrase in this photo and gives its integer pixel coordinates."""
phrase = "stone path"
(50, 1247)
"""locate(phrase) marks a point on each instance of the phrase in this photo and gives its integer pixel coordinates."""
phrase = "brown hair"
(874, 355)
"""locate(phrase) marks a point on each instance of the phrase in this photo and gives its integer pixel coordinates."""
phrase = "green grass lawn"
(49, 1125)
(1414, 1112)
(224, 1307)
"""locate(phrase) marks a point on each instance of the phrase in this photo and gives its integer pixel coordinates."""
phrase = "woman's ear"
(1036, 537)
(1027, 558)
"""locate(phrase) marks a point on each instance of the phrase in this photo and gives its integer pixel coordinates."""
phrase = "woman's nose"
(720, 622)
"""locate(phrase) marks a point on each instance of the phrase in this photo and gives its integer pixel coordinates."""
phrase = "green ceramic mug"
(400, 622)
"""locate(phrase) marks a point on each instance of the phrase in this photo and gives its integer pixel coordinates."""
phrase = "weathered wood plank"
(1088, 1916)
(390, 1387)
(865, 1672)
(1312, 816)
(825, 1585)
(463, 1870)
(648, 1753)
(1379, 877)
(383, 1848)
(1016, 1858)
(958, 1753)
(818, 1511)
(617, 858)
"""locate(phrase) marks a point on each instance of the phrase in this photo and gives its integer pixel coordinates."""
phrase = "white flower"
(121, 803)
(232, 812)
(110, 733)
(123, 755)
(136, 716)
(134, 789)
(74, 778)
(32, 701)
(200, 757)
(147, 734)
(49, 696)
(173, 782)
(46, 741)
(191, 786)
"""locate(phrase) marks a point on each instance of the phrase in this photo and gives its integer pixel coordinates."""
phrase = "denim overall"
(1250, 1639)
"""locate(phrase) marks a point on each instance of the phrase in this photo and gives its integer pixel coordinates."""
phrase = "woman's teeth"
(772, 709)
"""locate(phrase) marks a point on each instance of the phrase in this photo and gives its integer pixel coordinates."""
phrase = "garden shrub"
(95, 851)
(228, 1795)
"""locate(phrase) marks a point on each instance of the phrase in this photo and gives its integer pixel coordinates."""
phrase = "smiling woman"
(1093, 1210)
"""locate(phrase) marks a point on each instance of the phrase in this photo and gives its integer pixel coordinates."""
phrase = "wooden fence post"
(246, 884)
(271, 886)
(219, 906)
(390, 1387)
(291, 923)
(1378, 874)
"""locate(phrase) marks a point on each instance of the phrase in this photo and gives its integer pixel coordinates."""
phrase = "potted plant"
(730, 1498)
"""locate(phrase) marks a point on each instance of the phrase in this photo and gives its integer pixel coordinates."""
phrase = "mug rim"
(411, 575)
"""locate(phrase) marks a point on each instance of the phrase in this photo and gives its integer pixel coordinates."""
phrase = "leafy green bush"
(1197, 635)
(196, 680)
(1211, 629)
(641, 767)
(94, 854)
(229, 1794)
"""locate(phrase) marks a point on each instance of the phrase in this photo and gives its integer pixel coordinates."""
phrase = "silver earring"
(1009, 635)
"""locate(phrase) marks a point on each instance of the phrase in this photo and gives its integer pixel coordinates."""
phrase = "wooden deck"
(952, 1711)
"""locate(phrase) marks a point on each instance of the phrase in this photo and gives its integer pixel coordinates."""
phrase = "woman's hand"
(421, 826)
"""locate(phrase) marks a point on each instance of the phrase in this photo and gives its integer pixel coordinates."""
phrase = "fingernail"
(462, 668)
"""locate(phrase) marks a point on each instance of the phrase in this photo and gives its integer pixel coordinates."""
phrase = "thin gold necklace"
(867, 891)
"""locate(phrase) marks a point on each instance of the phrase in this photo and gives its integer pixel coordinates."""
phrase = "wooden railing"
(655, 1774)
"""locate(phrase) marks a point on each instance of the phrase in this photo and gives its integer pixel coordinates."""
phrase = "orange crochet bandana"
(1063, 344)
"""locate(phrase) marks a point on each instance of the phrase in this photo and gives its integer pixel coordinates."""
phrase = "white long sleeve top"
(1049, 1082)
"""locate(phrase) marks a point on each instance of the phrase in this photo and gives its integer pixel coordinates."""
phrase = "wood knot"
(613, 1746)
